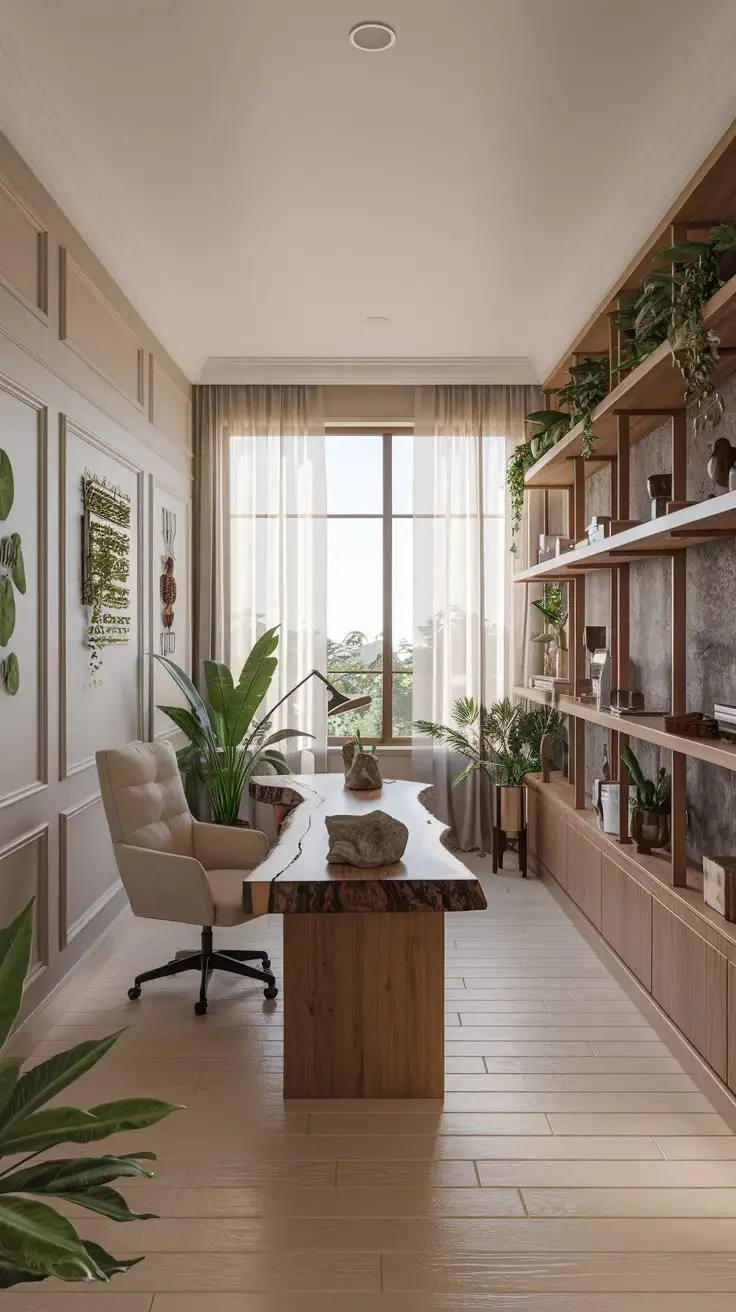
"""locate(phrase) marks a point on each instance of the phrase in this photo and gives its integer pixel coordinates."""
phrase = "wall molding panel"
(69, 931)
(169, 409)
(91, 327)
(24, 249)
(17, 855)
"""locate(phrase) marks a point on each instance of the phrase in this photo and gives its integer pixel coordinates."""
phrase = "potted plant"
(551, 426)
(225, 746)
(503, 741)
(517, 464)
(36, 1241)
(554, 636)
(590, 382)
(652, 804)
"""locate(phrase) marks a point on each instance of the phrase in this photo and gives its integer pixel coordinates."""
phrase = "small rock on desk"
(375, 839)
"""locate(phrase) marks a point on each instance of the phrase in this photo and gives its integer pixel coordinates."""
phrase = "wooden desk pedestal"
(364, 1001)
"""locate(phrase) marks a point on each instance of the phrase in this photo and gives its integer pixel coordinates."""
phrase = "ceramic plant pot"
(650, 829)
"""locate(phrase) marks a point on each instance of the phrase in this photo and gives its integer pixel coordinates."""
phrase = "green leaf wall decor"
(7, 485)
(7, 610)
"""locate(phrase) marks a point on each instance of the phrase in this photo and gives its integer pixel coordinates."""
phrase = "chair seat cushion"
(227, 895)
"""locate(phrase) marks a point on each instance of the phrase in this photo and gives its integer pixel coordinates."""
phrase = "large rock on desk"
(371, 840)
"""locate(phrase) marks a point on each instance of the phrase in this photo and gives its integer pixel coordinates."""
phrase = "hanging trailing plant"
(589, 382)
(518, 462)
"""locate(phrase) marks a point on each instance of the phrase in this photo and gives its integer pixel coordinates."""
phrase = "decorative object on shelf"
(606, 800)
(38, 1242)
(225, 746)
(719, 885)
(105, 567)
(167, 582)
(726, 718)
(548, 683)
(366, 841)
(694, 724)
(362, 771)
(12, 577)
(628, 701)
(721, 461)
(590, 382)
(551, 545)
(599, 664)
(7, 485)
(650, 815)
(599, 528)
(553, 636)
(659, 487)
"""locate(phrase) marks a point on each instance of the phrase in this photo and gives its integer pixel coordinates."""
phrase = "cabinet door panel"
(626, 919)
(552, 827)
(690, 982)
(584, 874)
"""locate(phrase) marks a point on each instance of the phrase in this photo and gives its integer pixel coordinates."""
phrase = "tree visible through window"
(370, 579)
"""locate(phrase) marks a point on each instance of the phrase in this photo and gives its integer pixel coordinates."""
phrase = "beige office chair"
(175, 868)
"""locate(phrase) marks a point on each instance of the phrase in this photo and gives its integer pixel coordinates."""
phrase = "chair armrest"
(164, 886)
(226, 847)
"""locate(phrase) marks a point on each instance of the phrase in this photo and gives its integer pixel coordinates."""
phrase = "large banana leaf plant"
(225, 745)
(36, 1242)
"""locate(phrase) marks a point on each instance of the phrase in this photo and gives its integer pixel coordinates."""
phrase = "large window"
(370, 578)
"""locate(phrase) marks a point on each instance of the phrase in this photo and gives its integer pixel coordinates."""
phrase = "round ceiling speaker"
(372, 36)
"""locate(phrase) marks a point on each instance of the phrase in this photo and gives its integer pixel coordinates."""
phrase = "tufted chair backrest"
(144, 798)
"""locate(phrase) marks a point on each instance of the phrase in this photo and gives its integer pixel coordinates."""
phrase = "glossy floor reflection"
(575, 1165)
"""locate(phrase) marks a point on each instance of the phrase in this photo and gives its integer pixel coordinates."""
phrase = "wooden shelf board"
(650, 869)
(691, 527)
(648, 728)
(656, 384)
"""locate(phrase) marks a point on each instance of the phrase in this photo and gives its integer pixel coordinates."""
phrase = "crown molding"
(396, 371)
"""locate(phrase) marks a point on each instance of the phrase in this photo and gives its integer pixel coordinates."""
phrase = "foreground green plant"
(590, 382)
(650, 794)
(36, 1242)
(225, 747)
(518, 462)
(503, 740)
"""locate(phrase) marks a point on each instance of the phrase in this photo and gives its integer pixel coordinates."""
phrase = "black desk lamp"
(339, 703)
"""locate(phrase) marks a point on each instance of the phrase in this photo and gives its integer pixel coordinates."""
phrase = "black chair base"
(205, 961)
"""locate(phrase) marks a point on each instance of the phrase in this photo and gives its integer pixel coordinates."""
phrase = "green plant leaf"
(106, 1202)
(46, 1129)
(282, 734)
(184, 720)
(248, 696)
(7, 485)
(10, 1069)
(182, 680)
(108, 1265)
(18, 572)
(265, 646)
(13, 1275)
(38, 1239)
(11, 673)
(684, 251)
(7, 610)
(220, 685)
(15, 956)
(125, 1114)
(71, 1174)
(48, 1078)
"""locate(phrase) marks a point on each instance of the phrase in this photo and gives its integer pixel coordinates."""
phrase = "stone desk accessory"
(362, 771)
(371, 840)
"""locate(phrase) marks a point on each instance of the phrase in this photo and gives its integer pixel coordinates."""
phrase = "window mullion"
(388, 646)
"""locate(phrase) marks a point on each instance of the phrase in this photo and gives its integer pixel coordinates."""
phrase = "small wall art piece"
(105, 567)
(12, 579)
(168, 582)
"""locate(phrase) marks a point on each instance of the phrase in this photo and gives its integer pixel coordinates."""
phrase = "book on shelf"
(548, 683)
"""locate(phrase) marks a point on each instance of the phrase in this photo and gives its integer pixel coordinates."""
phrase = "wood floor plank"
(666, 1202)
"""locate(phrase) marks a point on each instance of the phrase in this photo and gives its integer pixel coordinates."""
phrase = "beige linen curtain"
(463, 609)
(260, 536)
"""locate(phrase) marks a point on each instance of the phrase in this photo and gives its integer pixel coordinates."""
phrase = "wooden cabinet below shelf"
(626, 920)
(690, 983)
(584, 874)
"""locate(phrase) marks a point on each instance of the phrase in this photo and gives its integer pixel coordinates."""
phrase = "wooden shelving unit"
(647, 397)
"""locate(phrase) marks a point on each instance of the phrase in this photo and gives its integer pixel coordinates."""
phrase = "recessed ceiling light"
(377, 320)
(372, 36)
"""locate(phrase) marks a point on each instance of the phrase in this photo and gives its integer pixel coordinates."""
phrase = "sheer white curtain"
(461, 578)
(278, 545)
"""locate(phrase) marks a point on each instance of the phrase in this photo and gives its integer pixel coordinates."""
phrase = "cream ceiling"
(258, 187)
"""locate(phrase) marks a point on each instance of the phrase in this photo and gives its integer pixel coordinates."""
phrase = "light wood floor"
(575, 1165)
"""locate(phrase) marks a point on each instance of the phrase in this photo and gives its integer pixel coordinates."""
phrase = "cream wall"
(84, 385)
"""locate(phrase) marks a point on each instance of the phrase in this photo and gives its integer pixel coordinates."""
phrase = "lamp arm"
(289, 694)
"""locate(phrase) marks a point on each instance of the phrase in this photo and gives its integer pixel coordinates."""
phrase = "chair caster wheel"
(200, 1008)
(266, 964)
(271, 992)
(134, 993)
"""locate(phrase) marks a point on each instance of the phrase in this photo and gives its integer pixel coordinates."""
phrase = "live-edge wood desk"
(364, 970)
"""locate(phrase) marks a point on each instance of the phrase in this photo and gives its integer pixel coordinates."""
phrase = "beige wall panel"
(111, 713)
(24, 870)
(87, 885)
(23, 250)
(92, 327)
(163, 690)
(169, 408)
(23, 716)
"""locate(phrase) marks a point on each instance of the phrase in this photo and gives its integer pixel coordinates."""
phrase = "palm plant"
(36, 1242)
(225, 746)
(503, 740)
